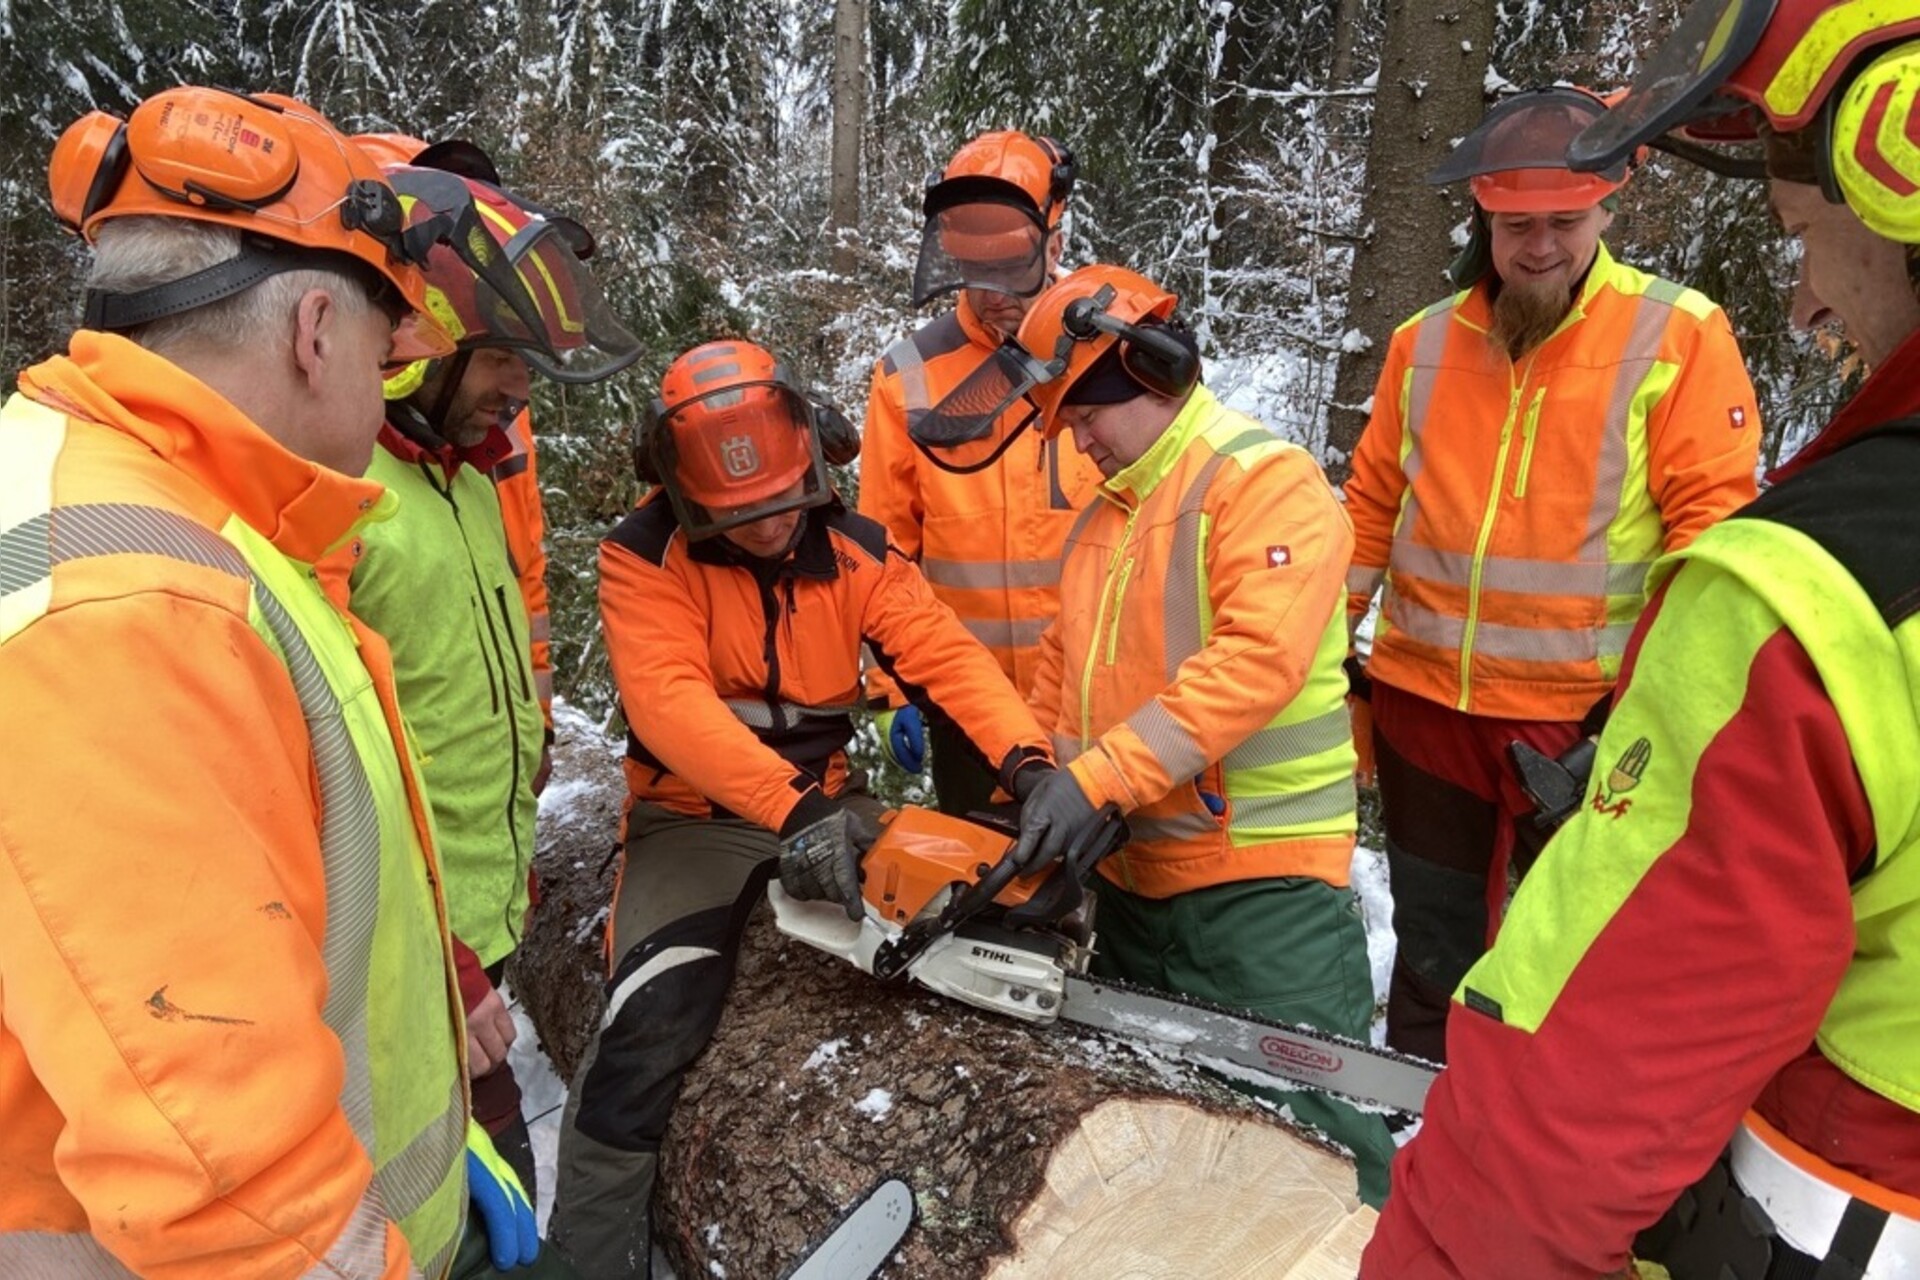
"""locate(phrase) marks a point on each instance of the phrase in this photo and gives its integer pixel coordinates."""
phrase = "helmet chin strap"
(425, 423)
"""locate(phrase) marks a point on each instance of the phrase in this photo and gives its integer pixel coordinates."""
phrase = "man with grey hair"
(213, 845)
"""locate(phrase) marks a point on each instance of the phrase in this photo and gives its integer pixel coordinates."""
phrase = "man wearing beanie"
(1193, 680)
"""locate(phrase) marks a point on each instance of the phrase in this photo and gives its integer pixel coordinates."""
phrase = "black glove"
(1026, 779)
(822, 859)
(1053, 812)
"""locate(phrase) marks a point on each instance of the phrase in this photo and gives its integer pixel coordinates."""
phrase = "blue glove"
(904, 734)
(513, 1234)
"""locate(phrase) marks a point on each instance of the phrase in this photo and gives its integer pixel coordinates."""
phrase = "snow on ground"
(1376, 909)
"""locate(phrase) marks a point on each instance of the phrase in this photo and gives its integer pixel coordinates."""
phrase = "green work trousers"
(1290, 950)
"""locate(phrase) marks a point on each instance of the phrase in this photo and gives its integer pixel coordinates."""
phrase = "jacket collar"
(302, 508)
(811, 557)
(1891, 393)
(1135, 482)
(406, 436)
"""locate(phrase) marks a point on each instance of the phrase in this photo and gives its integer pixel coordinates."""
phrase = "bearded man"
(1537, 441)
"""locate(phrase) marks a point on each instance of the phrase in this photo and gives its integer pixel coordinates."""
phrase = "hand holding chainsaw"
(822, 859)
(1052, 813)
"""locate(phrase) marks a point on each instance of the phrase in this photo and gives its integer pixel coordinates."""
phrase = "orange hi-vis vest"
(988, 542)
(230, 1037)
(1198, 654)
(1513, 510)
(517, 480)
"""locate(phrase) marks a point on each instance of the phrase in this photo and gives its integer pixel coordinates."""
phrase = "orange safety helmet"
(1849, 69)
(389, 149)
(262, 163)
(1516, 160)
(732, 439)
(991, 214)
(1097, 308)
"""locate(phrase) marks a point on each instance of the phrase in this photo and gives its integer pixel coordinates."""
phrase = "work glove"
(903, 732)
(513, 1235)
(1028, 776)
(1053, 813)
(821, 861)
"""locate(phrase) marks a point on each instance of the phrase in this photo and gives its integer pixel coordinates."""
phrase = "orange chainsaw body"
(921, 852)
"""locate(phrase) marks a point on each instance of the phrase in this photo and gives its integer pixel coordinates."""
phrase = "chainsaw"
(946, 908)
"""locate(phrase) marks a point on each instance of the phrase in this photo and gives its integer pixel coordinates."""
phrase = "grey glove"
(1053, 813)
(822, 859)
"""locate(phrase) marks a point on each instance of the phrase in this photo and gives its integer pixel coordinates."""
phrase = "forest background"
(755, 167)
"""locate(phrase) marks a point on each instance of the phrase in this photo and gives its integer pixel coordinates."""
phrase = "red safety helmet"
(262, 163)
(734, 439)
(1847, 69)
(990, 215)
(1515, 161)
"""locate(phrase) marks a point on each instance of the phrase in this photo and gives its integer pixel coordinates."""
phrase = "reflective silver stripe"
(1295, 808)
(52, 1255)
(1521, 576)
(990, 575)
(1429, 344)
(1178, 826)
(30, 550)
(1283, 744)
(361, 1247)
(1180, 632)
(543, 685)
(349, 821)
(1065, 749)
(1171, 745)
(912, 371)
(755, 714)
(539, 627)
(1018, 633)
(409, 1179)
(1522, 644)
(1650, 321)
(1364, 580)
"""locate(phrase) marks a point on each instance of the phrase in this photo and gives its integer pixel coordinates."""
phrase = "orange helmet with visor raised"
(267, 165)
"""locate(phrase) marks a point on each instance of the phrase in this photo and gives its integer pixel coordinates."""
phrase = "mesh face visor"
(578, 339)
(980, 419)
(1713, 38)
(980, 233)
(739, 454)
(1528, 131)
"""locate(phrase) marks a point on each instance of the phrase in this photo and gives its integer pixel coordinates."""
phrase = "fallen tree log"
(1032, 1152)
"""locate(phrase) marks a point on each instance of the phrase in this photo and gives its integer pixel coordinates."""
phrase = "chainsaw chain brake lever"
(1064, 891)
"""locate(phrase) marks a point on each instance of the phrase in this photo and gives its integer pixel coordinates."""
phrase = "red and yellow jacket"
(989, 542)
(229, 1039)
(1198, 654)
(517, 480)
(739, 677)
(1732, 921)
(1513, 511)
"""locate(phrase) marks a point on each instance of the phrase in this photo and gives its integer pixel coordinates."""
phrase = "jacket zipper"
(491, 638)
(770, 647)
(1114, 570)
(1119, 602)
(1516, 387)
(506, 624)
(1526, 448)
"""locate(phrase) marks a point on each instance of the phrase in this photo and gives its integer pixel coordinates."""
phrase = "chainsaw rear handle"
(1065, 890)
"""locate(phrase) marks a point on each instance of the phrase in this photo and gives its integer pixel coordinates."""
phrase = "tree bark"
(849, 120)
(1346, 30)
(1431, 91)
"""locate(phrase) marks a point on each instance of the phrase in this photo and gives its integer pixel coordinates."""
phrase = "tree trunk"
(1032, 1151)
(1346, 30)
(1431, 91)
(849, 120)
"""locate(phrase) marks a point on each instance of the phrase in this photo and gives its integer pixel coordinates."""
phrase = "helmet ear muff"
(839, 441)
(1065, 172)
(650, 465)
(1871, 156)
(89, 163)
(1153, 357)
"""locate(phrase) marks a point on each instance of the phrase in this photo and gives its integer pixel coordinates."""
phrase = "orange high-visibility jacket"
(989, 542)
(517, 480)
(230, 1044)
(1513, 510)
(1198, 654)
(739, 679)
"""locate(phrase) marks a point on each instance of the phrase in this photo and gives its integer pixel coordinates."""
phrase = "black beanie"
(1106, 380)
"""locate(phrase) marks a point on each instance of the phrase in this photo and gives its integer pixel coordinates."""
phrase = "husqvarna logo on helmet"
(739, 457)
